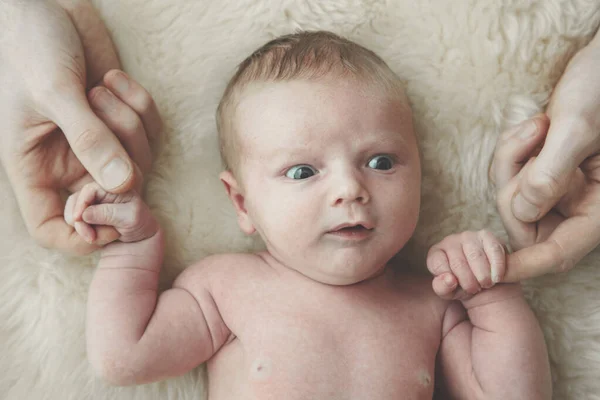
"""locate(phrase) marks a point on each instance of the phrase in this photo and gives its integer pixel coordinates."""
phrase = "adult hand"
(541, 243)
(51, 141)
(565, 176)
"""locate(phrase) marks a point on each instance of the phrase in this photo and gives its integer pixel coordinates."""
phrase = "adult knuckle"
(545, 183)
(86, 141)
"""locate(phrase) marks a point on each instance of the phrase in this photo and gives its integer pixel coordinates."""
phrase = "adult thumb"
(547, 179)
(93, 143)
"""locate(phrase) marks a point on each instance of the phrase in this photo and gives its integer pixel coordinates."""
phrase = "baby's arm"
(133, 335)
(492, 345)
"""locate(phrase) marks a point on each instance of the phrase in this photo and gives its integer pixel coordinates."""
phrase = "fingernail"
(524, 210)
(495, 275)
(480, 278)
(528, 130)
(68, 218)
(115, 173)
(448, 280)
(121, 82)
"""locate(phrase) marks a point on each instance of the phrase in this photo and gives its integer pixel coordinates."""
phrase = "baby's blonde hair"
(303, 55)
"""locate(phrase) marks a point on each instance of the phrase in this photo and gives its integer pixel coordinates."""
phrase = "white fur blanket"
(473, 67)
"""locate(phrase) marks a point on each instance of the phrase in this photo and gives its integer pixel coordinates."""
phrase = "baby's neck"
(388, 271)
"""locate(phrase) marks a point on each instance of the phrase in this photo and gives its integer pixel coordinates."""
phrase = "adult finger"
(138, 98)
(548, 178)
(568, 244)
(124, 123)
(96, 147)
(520, 234)
(99, 51)
(515, 147)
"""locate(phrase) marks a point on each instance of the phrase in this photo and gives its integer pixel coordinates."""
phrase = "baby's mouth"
(352, 232)
(355, 228)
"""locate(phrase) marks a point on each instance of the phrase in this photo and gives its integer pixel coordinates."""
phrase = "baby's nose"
(349, 188)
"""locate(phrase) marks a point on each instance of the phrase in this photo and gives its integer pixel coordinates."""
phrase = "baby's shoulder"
(225, 270)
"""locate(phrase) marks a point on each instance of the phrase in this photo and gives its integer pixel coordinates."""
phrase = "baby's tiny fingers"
(69, 206)
(133, 220)
(87, 196)
(461, 269)
(107, 214)
(85, 231)
(437, 262)
(496, 254)
(444, 286)
(478, 262)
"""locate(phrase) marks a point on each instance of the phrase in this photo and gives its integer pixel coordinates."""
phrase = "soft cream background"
(473, 67)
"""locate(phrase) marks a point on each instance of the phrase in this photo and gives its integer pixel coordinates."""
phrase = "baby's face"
(331, 176)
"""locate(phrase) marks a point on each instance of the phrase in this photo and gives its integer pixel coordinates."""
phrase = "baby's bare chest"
(334, 347)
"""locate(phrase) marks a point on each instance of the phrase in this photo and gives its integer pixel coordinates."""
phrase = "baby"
(321, 161)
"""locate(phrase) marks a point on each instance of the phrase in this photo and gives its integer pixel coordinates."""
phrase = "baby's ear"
(237, 198)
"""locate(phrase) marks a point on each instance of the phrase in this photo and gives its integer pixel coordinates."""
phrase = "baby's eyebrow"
(287, 153)
(390, 139)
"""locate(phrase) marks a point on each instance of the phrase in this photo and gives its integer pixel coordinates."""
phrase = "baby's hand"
(462, 264)
(126, 212)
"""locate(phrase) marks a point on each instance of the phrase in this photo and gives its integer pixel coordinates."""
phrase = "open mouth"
(352, 232)
(355, 228)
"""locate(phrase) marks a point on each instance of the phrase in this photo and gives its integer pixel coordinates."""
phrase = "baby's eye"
(381, 162)
(300, 172)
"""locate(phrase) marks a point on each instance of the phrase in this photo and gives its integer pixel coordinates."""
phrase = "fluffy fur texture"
(473, 67)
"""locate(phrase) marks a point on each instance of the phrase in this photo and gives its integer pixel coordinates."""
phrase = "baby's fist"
(464, 263)
(125, 212)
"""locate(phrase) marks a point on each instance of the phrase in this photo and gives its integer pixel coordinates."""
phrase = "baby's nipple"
(261, 369)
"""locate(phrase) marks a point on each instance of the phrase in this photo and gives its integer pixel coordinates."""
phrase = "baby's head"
(320, 156)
